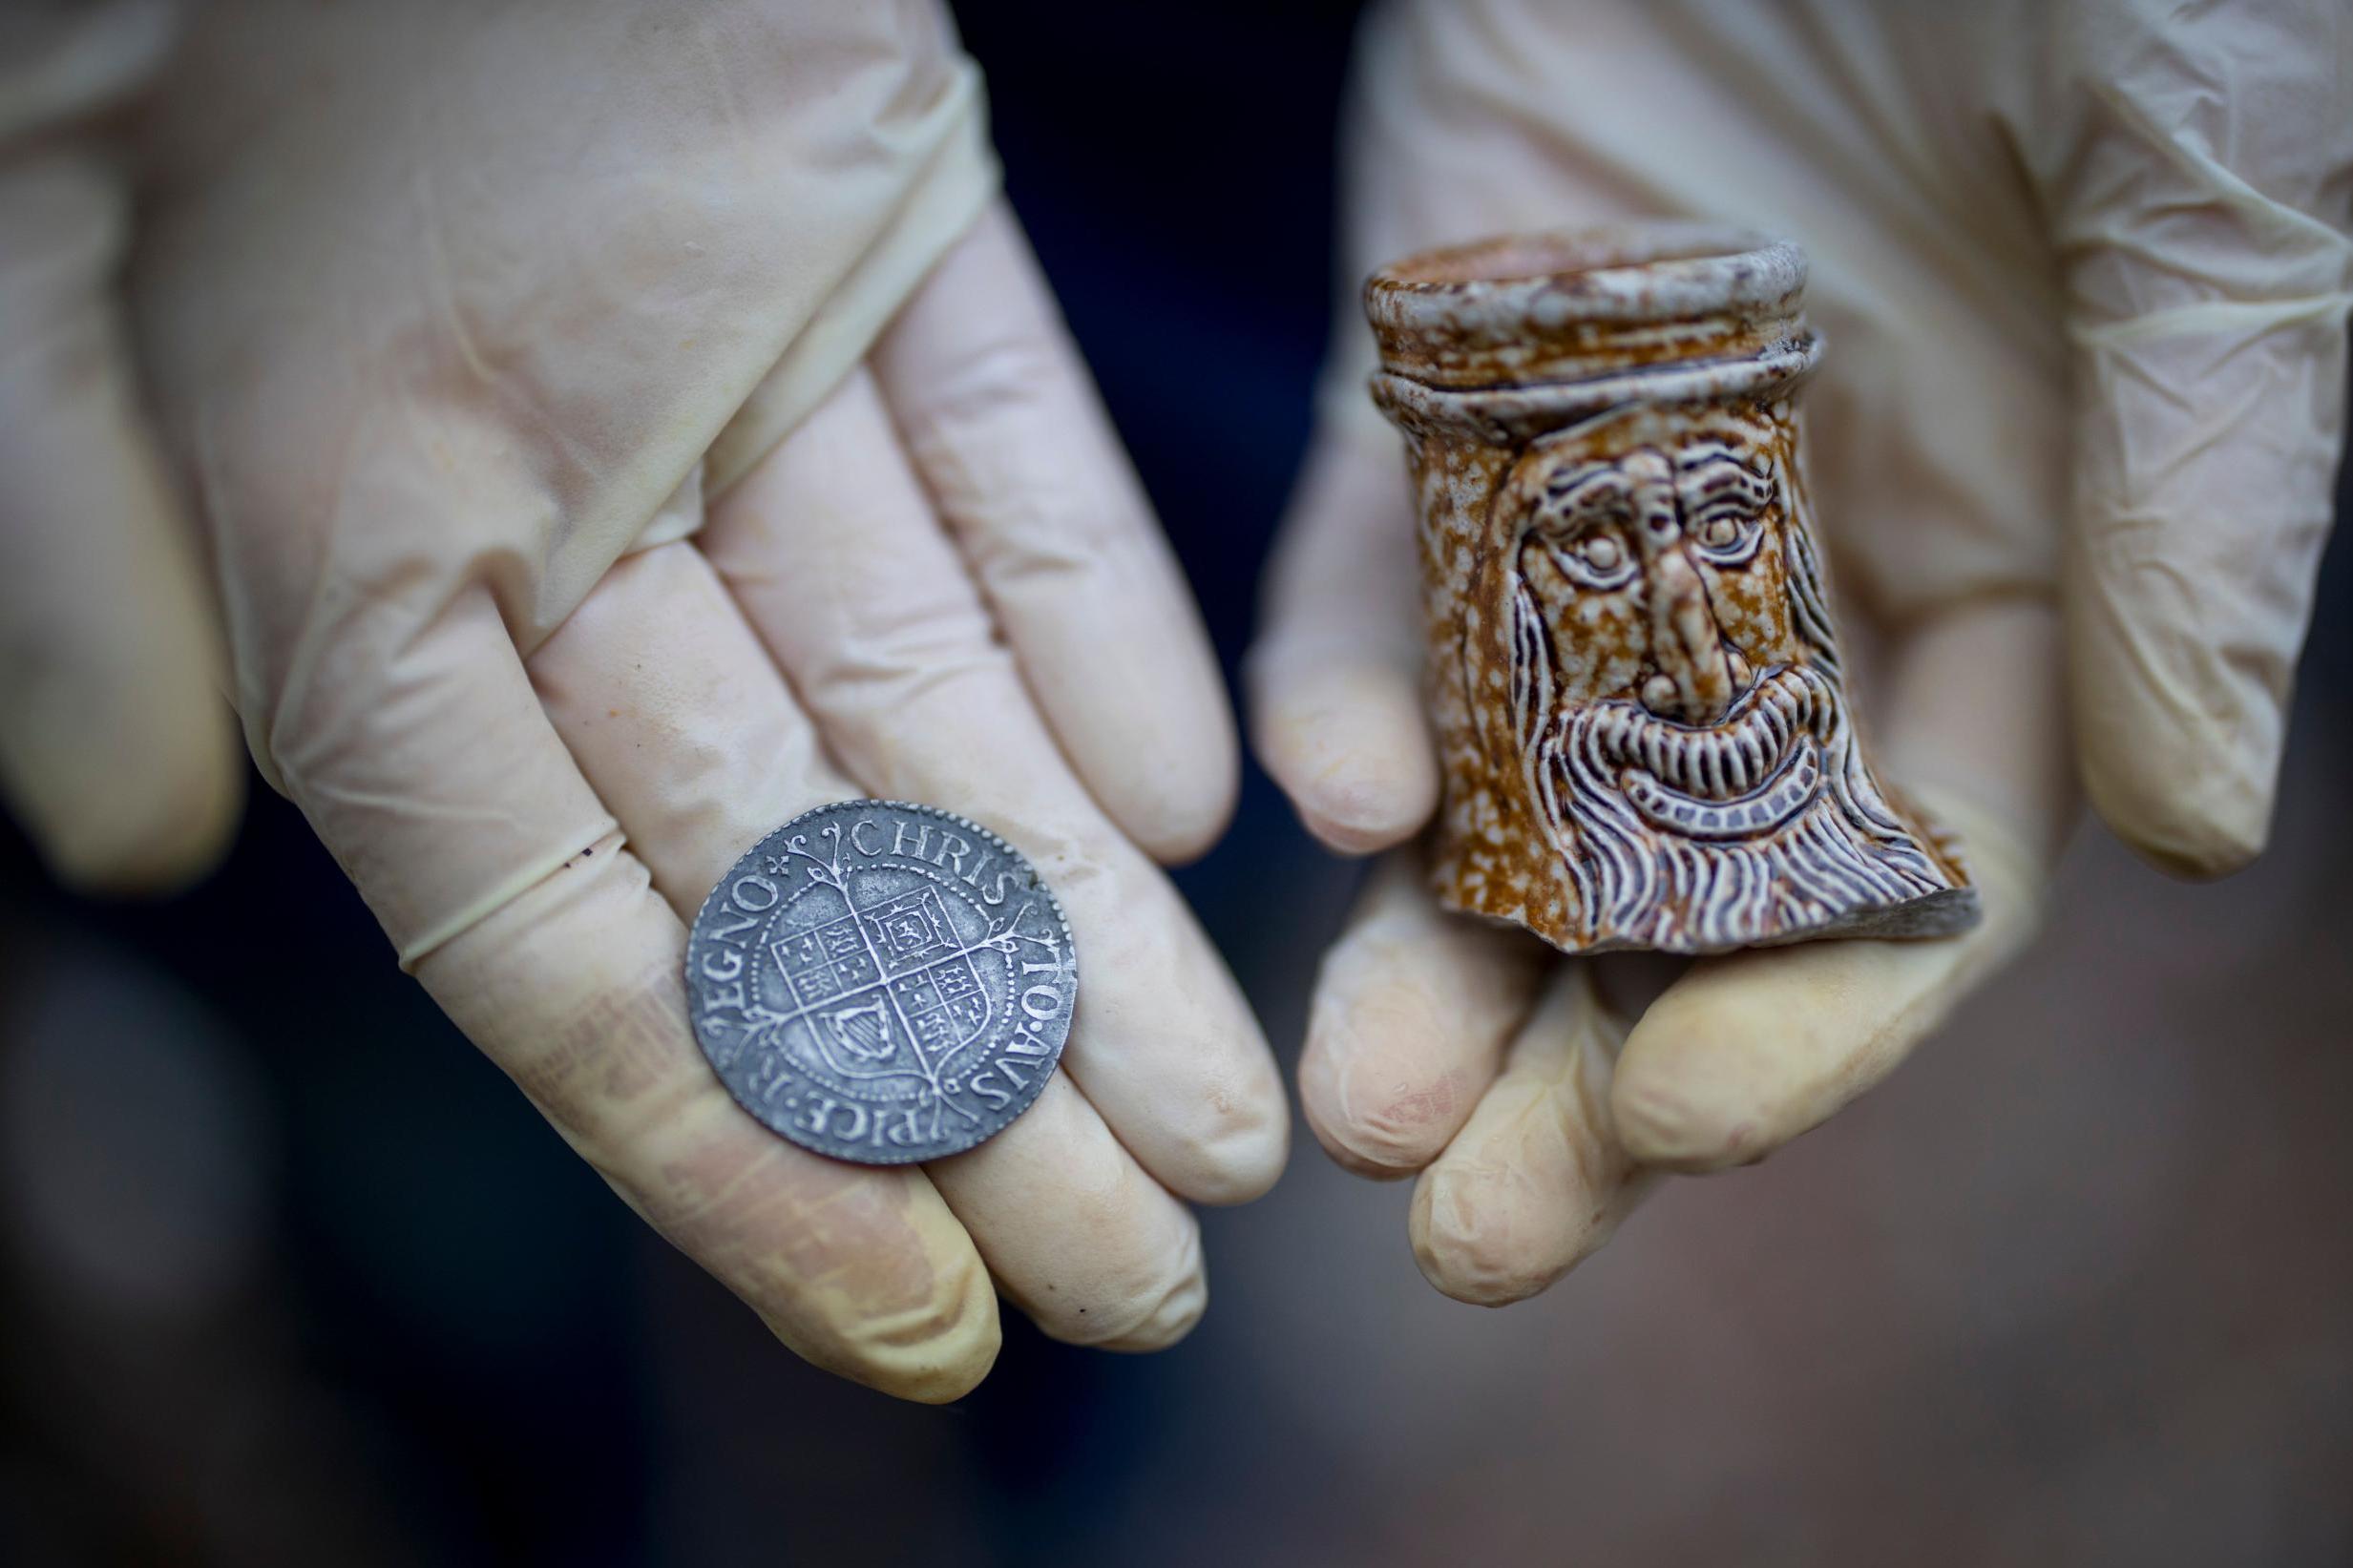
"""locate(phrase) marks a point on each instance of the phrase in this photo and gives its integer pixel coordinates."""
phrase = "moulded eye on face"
(1729, 536)
(1595, 558)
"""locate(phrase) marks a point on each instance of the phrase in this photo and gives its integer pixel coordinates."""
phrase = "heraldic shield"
(882, 991)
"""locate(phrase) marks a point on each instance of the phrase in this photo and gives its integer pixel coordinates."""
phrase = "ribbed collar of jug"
(1575, 306)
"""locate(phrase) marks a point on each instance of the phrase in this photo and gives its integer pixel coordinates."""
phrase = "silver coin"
(882, 982)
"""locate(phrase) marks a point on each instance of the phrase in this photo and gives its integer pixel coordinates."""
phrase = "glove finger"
(1535, 1180)
(1334, 679)
(116, 751)
(1746, 1052)
(1094, 1250)
(2209, 272)
(679, 722)
(686, 731)
(439, 784)
(834, 551)
(993, 403)
(1412, 1010)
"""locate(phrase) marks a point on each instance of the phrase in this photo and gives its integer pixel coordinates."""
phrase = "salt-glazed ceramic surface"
(1645, 729)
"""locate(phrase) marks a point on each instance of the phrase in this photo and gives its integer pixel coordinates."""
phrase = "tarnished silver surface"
(882, 982)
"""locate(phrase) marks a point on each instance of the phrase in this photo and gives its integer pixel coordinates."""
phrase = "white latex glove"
(116, 751)
(2082, 271)
(618, 428)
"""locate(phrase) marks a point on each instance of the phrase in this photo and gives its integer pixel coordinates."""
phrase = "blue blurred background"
(288, 1274)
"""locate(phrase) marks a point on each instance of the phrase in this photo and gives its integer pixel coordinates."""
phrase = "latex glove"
(2082, 271)
(619, 428)
(116, 751)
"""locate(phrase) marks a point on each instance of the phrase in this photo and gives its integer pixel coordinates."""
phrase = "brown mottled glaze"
(1642, 717)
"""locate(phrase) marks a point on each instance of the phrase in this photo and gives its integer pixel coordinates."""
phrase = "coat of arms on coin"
(882, 982)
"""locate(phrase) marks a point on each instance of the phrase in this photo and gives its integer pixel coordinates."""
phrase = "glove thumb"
(117, 752)
(2208, 287)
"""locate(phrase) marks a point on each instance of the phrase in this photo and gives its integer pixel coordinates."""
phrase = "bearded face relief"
(1681, 720)
(1642, 716)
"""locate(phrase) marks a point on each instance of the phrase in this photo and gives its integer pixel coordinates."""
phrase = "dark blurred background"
(288, 1274)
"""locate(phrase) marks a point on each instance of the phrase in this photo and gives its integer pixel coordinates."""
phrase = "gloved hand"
(615, 429)
(2083, 273)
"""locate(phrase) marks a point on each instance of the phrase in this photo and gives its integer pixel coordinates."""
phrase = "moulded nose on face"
(1694, 679)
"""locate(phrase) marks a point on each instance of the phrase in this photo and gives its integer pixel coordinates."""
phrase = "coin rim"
(1054, 902)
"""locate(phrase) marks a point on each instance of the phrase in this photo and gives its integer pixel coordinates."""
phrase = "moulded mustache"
(1728, 759)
